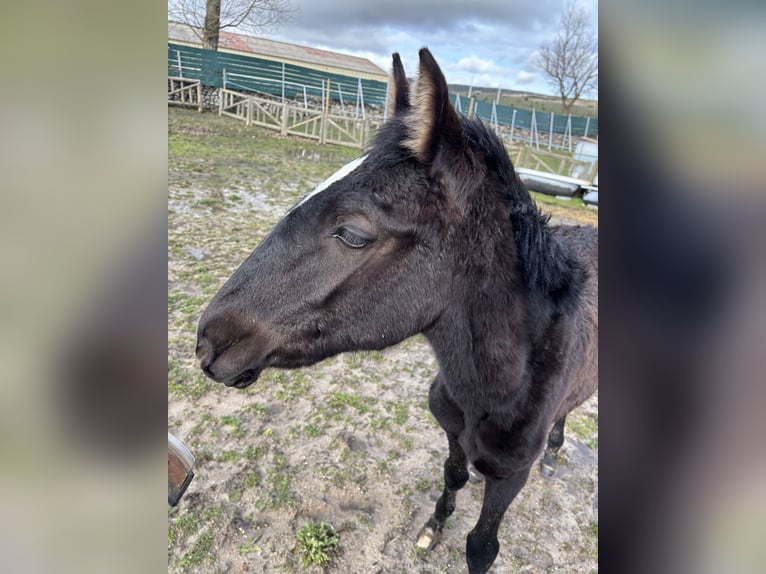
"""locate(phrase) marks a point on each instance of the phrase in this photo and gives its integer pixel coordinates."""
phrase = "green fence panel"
(254, 74)
(250, 73)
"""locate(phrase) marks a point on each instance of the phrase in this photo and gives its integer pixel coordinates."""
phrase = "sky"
(487, 43)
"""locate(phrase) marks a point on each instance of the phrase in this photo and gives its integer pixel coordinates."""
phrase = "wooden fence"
(185, 92)
(528, 157)
(290, 118)
(293, 119)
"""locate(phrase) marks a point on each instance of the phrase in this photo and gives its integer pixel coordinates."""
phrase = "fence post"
(458, 107)
(342, 105)
(285, 111)
(360, 91)
(305, 99)
(326, 95)
(224, 78)
(550, 133)
(471, 104)
(221, 96)
(513, 124)
(533, 130)
(283, 82)
(180, 67)
(199, 96)
(569, 131)
(587, 125)
(249, 102)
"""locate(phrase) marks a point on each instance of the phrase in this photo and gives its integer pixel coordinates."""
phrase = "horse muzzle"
(229, 354)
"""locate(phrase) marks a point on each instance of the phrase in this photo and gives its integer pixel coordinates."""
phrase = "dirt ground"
(349, 441)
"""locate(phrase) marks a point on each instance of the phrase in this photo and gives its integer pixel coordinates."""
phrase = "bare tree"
(208, 17)
(570, 60)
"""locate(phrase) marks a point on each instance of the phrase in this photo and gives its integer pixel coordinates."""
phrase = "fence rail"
(185, 92)
(293, 119)
(528, 157)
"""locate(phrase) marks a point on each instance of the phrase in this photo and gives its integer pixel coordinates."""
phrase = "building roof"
(282, 51)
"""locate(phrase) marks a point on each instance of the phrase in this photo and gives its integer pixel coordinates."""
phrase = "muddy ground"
(349, 441)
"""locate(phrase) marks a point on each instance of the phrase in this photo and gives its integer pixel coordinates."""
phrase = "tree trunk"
(565, 106)
(212, 24)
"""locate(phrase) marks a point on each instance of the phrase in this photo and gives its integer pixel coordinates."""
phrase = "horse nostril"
(205, 354)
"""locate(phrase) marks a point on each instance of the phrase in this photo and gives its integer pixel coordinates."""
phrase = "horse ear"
(399, 94)
(433, 120)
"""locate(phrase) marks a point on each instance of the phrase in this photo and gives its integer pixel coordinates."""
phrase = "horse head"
(367, 259)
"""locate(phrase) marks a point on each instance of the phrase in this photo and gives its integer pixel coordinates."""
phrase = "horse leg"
(549, 463)
(482, 545)
(455, 477)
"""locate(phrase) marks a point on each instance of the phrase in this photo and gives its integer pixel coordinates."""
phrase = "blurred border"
(83, 288)
(683, 315)
(83, 291)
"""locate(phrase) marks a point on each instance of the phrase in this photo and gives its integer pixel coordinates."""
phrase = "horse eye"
(351, 239)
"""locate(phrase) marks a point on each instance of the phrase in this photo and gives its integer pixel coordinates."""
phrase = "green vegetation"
(237, 427)
(527, 101)
(201, 551)
(584, 428)
(317, 542)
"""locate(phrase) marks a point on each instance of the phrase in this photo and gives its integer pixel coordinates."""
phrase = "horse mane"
(547, 266)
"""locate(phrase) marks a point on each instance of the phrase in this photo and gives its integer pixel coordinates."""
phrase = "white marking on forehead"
(337, 176)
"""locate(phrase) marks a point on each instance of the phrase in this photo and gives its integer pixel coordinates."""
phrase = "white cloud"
(524, 77)
(476, 65)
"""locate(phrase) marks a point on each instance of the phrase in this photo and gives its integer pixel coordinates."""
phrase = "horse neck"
(488, 329)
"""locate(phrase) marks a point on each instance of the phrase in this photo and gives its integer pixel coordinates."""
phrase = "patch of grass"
(399, 411)
(252, 480)
(316, 543)
(405, 490)
(293, 385)
(591, 548)
(278, 493)
(254, 453)
(257, 409)
(199, 552)
(212, 514)
(230, 456)
(573, 209)
(181, 526)
(197, 388)
(340, 399)
(237, 427)
(247, 548)
(312, 431)
(187, 523)
(584, 428)
(423, 485)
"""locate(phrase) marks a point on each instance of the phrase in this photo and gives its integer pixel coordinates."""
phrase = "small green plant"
(200, 551)
(236, 425)
(317, 541)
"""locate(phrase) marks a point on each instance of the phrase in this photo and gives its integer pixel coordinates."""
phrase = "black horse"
(430, 232)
